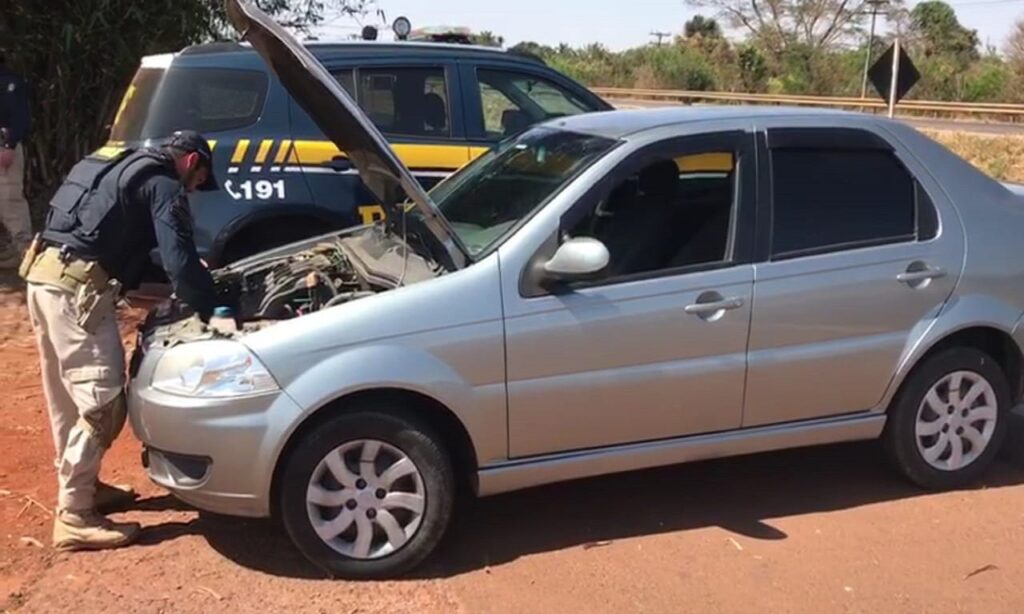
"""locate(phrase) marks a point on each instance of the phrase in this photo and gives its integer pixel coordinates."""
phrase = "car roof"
(623, 123)
(223, 52)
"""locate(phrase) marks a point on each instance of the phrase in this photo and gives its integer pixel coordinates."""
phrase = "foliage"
(702, 26)
(803, 47)
(487, 39)
(938, 33)
(779, 25)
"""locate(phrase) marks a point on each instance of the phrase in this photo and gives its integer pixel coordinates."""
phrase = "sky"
(618, 24)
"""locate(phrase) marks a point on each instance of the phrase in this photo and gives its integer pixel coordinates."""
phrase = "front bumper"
(216, 454)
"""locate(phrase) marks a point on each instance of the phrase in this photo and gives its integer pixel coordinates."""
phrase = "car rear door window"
(827, 200)
(409, 101)
(512, 101)
(207, 100)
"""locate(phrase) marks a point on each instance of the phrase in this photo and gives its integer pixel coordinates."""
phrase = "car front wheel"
(367, 494)
(948, 423)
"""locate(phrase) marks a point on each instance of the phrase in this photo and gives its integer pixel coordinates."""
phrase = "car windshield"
(487, 198)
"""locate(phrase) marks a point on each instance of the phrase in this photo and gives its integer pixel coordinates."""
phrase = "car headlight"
(216, 368)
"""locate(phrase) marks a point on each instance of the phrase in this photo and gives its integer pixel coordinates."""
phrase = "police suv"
(439, 105)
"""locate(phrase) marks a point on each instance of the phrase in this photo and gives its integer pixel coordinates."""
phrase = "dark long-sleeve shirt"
(172, 233)
(14, 109)
(150, 210)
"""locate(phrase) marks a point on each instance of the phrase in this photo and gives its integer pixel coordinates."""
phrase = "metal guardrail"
(994, 110)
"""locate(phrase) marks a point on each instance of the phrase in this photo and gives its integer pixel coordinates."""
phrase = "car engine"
(293, 285)
(299, 279)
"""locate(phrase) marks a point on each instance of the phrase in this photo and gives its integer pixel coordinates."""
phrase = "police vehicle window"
(487, 198)
(208, 100)
(406, 101)
(346, 79)
(496, 108)
(512, 101)
(828, 200)
(671, 213)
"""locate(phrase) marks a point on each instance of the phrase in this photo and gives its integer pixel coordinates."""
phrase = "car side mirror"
(577, 259)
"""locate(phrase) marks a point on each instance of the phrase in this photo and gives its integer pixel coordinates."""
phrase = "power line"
(983, 2)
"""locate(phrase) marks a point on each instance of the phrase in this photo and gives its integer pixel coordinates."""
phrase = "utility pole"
(875, 5)
(660, 35)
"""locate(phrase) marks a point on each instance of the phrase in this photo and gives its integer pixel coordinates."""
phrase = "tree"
(79, 56)
(778, 25)
(1014, 47)
(753, 68)
(937, 32)
(530, 47)
(704, 27)
(487, 39)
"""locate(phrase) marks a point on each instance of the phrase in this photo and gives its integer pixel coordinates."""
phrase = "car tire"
(941, 437)
(359, 500)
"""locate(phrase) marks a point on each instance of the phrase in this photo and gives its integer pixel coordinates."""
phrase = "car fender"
(959, 313)
(364, 368)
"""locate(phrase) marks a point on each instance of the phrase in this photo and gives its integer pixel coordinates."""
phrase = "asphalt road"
(933, 124)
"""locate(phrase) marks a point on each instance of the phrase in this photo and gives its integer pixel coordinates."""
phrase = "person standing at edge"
(14, 122)
(102, 223)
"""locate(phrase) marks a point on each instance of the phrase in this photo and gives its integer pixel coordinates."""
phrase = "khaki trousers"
(13, 206)
(83, 380)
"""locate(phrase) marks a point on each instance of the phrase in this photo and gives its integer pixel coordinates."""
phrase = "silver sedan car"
(601, 293)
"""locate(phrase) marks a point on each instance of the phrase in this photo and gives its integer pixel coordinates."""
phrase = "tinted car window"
(159, 101)
(512, 101)
(825, 200)
(406, 101)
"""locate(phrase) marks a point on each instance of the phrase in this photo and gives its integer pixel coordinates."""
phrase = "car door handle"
(702, 308)
(918, 276)
(339, 163)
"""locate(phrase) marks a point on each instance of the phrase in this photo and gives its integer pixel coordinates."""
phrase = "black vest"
(91, 192)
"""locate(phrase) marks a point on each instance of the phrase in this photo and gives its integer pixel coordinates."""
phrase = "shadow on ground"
(741, 495)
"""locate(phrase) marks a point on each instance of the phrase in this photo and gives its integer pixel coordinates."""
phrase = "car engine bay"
(300, 279)
(291, 286)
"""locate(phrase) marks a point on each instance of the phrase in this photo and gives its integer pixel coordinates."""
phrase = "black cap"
(190, 141)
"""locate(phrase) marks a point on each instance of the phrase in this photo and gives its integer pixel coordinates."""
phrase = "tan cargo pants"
(83, 380)
(13, 206)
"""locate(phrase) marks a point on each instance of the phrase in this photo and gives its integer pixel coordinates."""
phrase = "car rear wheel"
(367, 494)
(949, 420)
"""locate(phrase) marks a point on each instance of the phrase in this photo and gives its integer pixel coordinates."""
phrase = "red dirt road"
(820, 530)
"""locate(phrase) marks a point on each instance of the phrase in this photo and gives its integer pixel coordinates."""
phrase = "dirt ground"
(820, 530)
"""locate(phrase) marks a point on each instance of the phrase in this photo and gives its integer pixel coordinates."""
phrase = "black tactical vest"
(93, 188)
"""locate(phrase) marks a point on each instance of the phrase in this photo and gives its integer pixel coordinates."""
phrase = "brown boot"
(88, 530)
(113, 497)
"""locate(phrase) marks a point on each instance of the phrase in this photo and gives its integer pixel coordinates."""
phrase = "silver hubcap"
(956, 420)
(366, 499)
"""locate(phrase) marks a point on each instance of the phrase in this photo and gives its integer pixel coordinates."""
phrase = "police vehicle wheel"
(948, 421)
(367, 494)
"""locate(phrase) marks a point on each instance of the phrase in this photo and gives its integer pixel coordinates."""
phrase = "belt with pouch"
(84, 279)
(50, 267)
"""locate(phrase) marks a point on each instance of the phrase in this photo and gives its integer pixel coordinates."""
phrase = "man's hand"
(6, 158)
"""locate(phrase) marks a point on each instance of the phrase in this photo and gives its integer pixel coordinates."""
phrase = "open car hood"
(342, 121)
